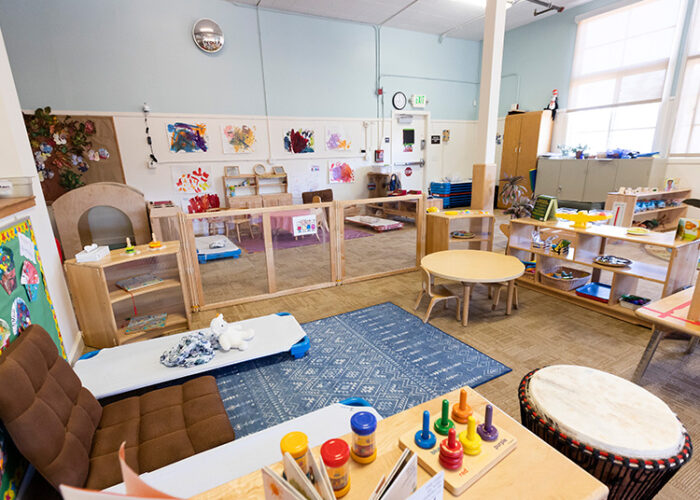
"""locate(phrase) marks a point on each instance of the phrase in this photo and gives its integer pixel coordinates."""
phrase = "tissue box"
(688, 229)
(93, 255)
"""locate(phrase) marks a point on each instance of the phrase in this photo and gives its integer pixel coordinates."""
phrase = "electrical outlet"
(151, 164)
(146, 108)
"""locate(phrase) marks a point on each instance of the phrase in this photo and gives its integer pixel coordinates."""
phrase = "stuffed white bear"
(230, 336)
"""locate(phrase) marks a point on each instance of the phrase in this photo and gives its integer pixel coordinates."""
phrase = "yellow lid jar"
(297, 445)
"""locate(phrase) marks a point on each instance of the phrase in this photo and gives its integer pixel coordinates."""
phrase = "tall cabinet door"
(548, 177)
(572, 179)
(511, 145)
(600, 180)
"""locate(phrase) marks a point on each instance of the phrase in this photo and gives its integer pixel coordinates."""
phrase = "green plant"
(522, 207)
(511, 189)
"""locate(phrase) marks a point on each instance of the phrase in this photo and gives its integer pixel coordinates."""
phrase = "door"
(633, 173)
(408, 151)
(548, 177)
(572, 179)
(600, 179)
(509, 155)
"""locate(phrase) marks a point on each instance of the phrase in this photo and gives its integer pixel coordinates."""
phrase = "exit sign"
(418, 101)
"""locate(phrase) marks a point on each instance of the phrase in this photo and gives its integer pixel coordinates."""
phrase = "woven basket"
(580, 278)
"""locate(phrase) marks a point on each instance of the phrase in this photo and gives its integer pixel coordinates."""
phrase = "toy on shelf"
(363, 425)
(230, 335)
(633, 301)
(424, 438)
(297, 445)
(129, 249)
(451, 453)
(444, 424)
(612, 261)
(487, 430)
(335, 454)
(582, 218)
(154, 244)
(432, 210)
(92, 253)
(461, 411)
(562, 247)
(471, 441)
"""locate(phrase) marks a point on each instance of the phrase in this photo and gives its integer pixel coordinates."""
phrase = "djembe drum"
(617, 431)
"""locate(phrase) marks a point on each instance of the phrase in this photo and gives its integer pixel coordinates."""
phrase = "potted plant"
(511, 189)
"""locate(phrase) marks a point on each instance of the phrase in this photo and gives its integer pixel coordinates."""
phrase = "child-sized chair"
(436, 294)
(495, 294)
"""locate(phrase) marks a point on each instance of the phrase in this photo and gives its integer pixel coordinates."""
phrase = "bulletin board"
(24, 300)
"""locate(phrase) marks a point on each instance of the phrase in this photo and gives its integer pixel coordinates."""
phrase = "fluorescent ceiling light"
(482, 3)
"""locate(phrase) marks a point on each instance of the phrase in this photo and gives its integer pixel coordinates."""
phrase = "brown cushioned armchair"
(61, 428)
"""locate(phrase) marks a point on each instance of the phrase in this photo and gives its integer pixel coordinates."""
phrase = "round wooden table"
(474, 266)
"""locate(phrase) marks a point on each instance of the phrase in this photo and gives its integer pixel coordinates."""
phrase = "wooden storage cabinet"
(586, 245)
(525, 137)
(671, 214)
(439, 228)
(254, 184)
(103, 309)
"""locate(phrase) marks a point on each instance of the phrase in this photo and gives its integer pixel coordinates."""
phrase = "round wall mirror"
(208, 35)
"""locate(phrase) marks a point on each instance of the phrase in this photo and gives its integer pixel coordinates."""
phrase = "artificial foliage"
(511, 190)
(62, 147)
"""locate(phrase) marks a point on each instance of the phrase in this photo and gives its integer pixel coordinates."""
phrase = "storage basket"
(580, 278)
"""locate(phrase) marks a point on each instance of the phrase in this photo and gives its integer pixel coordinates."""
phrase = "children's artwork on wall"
(187, 138)
(192, 180)
(299, 141)
(337, 139)
(20, 307)
(340, 172)
(238, 138)
(72, 151)
(8, 274)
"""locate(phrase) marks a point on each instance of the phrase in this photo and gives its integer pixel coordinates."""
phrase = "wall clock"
(399, 100)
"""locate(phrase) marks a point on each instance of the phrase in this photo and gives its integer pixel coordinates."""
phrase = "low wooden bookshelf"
(103, 309)
(670, 214)
(440, 226)
(586, 245)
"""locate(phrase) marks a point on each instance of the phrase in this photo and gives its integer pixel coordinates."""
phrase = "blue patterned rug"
(381, 353)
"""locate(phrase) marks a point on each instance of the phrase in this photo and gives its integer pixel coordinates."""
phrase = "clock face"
(399, 100)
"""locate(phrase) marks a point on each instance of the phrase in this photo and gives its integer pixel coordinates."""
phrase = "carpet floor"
(380, 353)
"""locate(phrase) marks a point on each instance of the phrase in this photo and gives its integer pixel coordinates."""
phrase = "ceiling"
(453, 18)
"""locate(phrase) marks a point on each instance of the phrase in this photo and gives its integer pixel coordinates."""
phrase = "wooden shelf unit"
(9, 206)
(440, 226)
(586, 245)
(103, 310)
(255, 184)
(405, 209)
(630, 200)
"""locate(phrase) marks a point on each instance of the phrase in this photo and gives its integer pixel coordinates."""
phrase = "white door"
(408, 149)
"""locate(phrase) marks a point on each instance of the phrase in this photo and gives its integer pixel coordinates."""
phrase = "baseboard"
(77, 349)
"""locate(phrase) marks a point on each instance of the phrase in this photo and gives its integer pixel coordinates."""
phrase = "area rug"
(286, 240)
(380, 353)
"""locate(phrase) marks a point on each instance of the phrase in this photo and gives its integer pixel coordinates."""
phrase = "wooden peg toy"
(424, 438)
(129, 250)
(451, 455)
(487, 430)
(444, 424)
(461, 411)
(471, 441)
(154, 242)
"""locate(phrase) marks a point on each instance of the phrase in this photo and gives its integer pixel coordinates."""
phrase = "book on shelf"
(137, 282)
(145, 323)
(545, 208)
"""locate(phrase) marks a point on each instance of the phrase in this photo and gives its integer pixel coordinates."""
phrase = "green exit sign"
(418, 101)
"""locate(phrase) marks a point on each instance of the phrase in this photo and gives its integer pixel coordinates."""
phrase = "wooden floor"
(543, 331)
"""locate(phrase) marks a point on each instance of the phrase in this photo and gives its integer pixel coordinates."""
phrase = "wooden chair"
(325, 195)
(436, 294)
(277, 200)
(495, 294)
(243, 202)
(321, 220)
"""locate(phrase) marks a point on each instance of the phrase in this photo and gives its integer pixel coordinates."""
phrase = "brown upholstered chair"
(325, 194)
(61, 428)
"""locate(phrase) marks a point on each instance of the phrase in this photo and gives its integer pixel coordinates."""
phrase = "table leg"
(691, 345)
(656, 336)
(465, 306)
(509, 302)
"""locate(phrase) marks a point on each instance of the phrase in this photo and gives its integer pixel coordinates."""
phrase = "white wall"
(16, 160)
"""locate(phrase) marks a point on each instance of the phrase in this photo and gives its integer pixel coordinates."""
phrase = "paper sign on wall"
(26, 247)
(304, 224)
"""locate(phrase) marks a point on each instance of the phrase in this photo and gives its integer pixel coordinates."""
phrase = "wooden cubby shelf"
(103, 309)
(586, 244)
(439, 228)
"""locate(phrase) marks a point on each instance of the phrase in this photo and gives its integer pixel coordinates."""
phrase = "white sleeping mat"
(116, 370)
(211, 468)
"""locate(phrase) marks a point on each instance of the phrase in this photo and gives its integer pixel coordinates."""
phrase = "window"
(618, 76)
(686, 135)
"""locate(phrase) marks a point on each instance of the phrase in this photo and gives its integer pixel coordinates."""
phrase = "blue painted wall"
(114, 55)
(541, 55)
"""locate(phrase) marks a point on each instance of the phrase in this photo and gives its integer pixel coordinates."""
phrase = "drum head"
(606, 412)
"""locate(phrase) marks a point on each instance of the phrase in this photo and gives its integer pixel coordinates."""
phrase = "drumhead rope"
(627, 476)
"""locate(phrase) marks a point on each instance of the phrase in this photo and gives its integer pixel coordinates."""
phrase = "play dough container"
(297, 445)
(335, 454)
(363, 425)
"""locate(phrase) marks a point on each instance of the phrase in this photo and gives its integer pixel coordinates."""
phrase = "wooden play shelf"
(103, 309)
(9, 206)
(629, 216)
(586, 245)
(439, 228)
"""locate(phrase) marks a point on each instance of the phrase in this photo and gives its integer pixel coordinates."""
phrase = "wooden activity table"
(678, 312)
(533, 470)
(474, 266)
